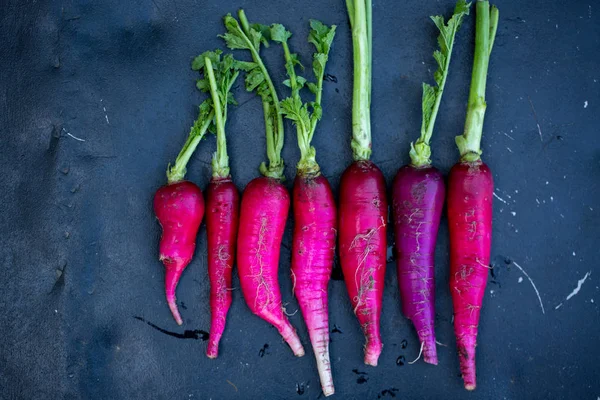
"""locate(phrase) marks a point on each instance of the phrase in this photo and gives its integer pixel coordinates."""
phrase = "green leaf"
(256, 38)
(265, 33)
(296, 61)
(294, 110)
(245, 65)
(235, 37)
(428, 100)
(440, 58)
(301, 81)
(312, 87)
(319, 62)
(317, 111)
(203, 85)
(231, 99)
(253, 79)
(214, 57)
(321, 36)
(235, 42)
(279, 34)
(432, 95)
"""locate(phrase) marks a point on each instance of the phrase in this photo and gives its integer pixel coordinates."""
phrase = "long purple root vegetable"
(418, 195)
(418, 198)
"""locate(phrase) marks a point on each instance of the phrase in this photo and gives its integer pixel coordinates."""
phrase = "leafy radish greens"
(305, 115)
(244, 36)
(420, 152)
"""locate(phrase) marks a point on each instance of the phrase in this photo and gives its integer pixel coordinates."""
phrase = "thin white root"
(420, 352)
(441, 344)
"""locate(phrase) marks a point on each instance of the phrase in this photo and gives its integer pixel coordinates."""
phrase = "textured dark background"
(79, 240)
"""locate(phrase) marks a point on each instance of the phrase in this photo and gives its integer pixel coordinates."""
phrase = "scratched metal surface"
(96, 98)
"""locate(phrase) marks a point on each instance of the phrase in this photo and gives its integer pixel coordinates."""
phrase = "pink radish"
(418, 198)
(470, 194)
(265, 202)
(222, 198)
(179, 205)
(314, 208)
(179, 208)
(363, 203)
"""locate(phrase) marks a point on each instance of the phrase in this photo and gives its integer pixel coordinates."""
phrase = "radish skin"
(418, 200)
(470, 196)
(362, 240)
(179, 208)
(222, 205)
(313, 242)
(264, 210)
(265, 201)
(363, 203)
(312, 261)
(179, 205)
(222, 199)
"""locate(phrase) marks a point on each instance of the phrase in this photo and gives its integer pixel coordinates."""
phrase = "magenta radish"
(363, 203)
(179, 208)
(222, 198)
(313, 246)
(470, 195)
(265, 201)
(417, 201)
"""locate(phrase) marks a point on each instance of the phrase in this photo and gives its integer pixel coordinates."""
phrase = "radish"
(470, 193)
(363, 204)
(265, 202)
(313, 246)
(418, 198)
(222, 198)
(179, 208)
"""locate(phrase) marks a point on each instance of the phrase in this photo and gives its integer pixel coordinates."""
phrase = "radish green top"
(305, 115)
(359, 12)
(210, 114)
(242, 35)
(206, 113)
(219, 76)
(420, 152)
(469, 143)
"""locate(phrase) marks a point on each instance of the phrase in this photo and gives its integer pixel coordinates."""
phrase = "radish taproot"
(265, 201)
(363, 204)
(179, 208)
(418, 195)
(313, 244)
(470, 194)
(222, 197)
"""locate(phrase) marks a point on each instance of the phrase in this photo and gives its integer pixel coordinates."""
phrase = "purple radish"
(417, 201)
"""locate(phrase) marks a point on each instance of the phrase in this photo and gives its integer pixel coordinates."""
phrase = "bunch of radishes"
(254, 230)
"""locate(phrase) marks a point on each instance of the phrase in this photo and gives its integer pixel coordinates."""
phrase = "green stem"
(469, 143)
(220, 161)
(307, 163)
(369, 12)
(318, 97)
(420, 151)
(360, 12)
(177, 172)
(292, 73)
(275, 133)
